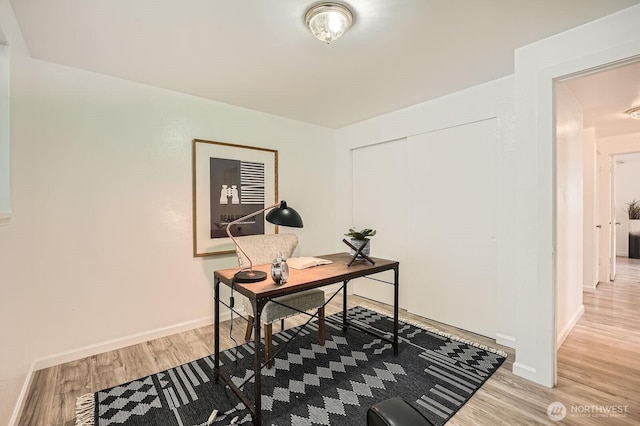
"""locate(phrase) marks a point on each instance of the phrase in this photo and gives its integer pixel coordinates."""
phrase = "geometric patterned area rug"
(334, 384)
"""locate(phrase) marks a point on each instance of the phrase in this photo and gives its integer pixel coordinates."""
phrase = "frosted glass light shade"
(328, 21)
(634, 112)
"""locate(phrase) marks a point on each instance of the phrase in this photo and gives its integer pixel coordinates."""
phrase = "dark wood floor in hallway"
(598, 367)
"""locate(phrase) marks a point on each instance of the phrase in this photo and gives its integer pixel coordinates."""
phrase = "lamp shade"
(284, 215)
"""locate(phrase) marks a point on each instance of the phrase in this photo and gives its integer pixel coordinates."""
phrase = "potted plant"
(358, 238)
(633, 210)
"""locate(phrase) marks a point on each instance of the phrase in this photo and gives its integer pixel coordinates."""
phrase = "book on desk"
(306, 262)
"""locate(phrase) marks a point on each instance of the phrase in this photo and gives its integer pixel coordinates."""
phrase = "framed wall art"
(230, 181)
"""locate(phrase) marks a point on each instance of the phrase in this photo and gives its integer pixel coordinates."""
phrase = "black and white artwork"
(237, 190)
(230, 182)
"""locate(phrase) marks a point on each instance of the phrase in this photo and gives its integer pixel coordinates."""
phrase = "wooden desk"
(299, 280)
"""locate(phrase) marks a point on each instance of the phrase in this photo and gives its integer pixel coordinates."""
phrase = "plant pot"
(634, 238)
(358, 244)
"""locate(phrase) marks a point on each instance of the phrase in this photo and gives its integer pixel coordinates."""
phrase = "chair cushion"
(263, 249)
(304, 301)
(395, 412)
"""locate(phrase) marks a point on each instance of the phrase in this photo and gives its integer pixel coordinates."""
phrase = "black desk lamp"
(283, 216)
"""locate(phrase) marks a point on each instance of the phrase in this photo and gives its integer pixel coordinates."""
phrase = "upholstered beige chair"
(263, 249)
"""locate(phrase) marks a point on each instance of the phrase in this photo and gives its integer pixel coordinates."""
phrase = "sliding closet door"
(451, 266)
(380, 191)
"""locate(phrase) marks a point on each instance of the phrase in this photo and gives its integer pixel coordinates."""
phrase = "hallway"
(599, 362)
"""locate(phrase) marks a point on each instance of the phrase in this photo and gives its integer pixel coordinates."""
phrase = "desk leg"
(216, 330)
(396, 285)
(257, 390)
(344, 306)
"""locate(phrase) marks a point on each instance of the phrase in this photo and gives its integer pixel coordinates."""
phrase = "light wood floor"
(598, 367)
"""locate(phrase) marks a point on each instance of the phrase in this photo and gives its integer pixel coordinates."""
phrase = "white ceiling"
(605, 95)
(258, 54)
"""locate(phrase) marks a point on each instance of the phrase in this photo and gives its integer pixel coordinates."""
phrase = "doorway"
(593, 134)
(603, 95)
(627, 172)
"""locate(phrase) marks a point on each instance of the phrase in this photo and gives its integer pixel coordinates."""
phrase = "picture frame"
(230, 181)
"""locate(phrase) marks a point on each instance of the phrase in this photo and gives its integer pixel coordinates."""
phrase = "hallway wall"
(569, 207)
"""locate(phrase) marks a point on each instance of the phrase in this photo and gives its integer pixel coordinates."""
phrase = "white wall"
(604, 41)
(5, 204)
(569, 208)
(627, 188)
(98, 253)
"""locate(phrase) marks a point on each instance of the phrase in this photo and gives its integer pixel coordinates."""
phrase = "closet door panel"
(451, 267)
(380, 193)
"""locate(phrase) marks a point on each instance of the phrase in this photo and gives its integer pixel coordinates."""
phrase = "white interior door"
(612, 224)
(604, 223)
(380, 190)
(597, 222)
(452, 255)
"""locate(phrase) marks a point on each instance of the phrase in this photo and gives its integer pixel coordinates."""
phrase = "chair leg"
(247, 334)
(268, 348)
(321, 326)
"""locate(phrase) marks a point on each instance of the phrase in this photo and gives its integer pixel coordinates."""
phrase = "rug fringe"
(438, 332)
(85, 409)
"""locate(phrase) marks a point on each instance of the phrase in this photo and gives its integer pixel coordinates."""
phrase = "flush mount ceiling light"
(328, 21)
(634, 112)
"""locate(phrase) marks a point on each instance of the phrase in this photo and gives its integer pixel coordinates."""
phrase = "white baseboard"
(525, 371)
(506, 340)
(569, 326)
(98, 348)
(17, 410)
(110, 345)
